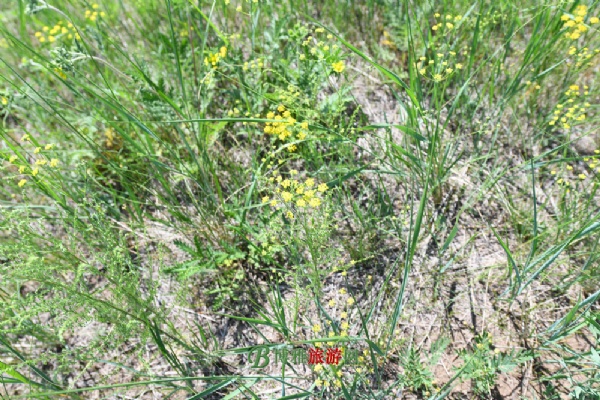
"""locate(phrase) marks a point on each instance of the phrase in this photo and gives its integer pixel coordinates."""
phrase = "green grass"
(182, 181)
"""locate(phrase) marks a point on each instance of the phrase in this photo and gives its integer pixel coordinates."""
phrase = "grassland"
(188, 184)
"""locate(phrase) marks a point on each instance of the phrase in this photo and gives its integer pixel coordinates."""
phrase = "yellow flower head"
(35, 171)
(12, 159)
(53, 162)
(338, 66)
(315, 202)
(22, 182)
(316, 328)
(581, 10)
(322, 187)
(287, 196)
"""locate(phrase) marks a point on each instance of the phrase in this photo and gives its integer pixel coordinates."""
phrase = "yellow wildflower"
(437, 77)
(315, 202)
(316, 328)
(322, 187)
(581, 10)
(53, 162)
(338, 66)
(22, 182)
(37, 150)
(287, 196)
(344, 315)
(289, 215)
(301, 203)
(41, 162)
(350, 301)
(594, 20)
(35, 171)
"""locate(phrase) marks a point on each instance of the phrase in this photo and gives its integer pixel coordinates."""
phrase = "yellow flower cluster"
(321, 48)
(438, 68)
(92, 15)
(213, 58)
(386, 40)
(575, 24)
(34, 170)
(58, 31)
(583, 56)
(285, 126)
(569, 111)
(338, 67)
(568, 173)
(253, 64)
(447, 22)
(292, 191)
